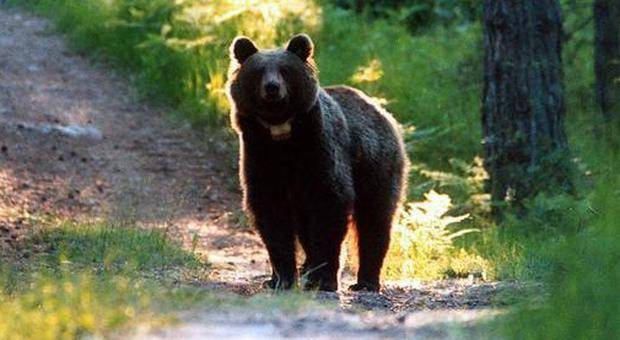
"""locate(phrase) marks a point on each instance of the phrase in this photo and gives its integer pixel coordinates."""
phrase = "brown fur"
(343, 160)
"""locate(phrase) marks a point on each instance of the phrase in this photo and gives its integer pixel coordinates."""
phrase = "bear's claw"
(322, 286)
(277, 284)
(368, 287)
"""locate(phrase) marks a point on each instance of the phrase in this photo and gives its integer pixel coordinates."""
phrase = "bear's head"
(273, 86)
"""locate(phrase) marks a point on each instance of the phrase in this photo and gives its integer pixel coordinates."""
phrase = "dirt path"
(76, 143)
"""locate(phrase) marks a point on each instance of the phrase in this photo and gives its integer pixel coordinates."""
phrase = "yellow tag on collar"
(278, 132)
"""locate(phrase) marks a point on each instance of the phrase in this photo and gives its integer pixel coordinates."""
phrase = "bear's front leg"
(278, 236)
(321, 234)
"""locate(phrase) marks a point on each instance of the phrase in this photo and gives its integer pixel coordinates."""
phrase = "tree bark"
(607, 56)
(526, 150)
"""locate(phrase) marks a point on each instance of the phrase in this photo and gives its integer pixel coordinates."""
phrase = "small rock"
(72, 131)
(84, 160)
(61, 158)
(4, 149)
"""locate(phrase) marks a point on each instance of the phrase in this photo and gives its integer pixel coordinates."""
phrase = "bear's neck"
(301, 126)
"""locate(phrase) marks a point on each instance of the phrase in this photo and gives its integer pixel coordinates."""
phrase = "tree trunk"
(607, 56)
(526, 150)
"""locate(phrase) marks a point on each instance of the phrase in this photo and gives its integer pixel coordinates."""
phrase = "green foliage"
(522, 246)
(423, 246)
(583, 278)
(550, 216)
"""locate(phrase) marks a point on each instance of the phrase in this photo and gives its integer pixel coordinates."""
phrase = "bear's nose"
(272, 88)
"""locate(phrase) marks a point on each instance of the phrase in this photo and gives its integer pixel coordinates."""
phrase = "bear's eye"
(260, 70)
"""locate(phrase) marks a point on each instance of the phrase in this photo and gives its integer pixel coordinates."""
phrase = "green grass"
(74, 280)
(114, 247)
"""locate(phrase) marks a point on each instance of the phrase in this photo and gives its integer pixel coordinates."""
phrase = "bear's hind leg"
(378, 188)
(373, 240)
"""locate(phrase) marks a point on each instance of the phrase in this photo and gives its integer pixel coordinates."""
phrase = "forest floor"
(77, 143)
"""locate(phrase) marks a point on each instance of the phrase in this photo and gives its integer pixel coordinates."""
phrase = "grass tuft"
(112, 247)
(90, 279)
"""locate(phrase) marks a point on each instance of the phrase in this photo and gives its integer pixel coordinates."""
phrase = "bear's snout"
(272, 87)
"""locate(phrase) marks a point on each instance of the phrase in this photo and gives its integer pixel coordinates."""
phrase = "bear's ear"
(301, 45)
(242, 48)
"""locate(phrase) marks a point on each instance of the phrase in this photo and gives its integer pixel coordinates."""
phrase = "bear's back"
(375, 134)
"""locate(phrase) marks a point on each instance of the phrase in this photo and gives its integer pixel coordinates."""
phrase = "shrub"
(423, 247)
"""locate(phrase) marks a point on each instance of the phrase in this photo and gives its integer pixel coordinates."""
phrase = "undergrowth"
(582, 270)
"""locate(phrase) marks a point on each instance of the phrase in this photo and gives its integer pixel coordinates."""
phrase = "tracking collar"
(278, 132)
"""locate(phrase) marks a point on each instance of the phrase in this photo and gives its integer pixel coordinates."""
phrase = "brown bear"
(313, 160)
